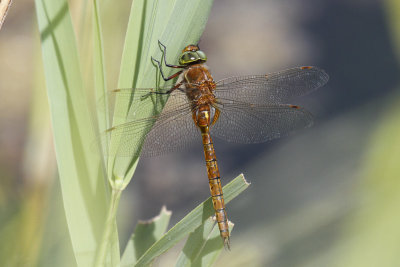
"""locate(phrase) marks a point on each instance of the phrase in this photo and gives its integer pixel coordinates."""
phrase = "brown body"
(199, 86)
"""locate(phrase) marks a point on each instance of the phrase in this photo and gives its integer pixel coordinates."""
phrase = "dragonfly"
(244, 109)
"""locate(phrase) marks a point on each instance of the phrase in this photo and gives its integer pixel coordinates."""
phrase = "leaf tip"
(244, 179)
(163, 212)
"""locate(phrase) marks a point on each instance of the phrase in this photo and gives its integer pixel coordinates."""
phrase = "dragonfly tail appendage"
(227, 243)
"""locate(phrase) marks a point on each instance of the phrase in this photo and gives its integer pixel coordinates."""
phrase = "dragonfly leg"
(162, 93)
(165, 58)
(162, 73)
(166, 64)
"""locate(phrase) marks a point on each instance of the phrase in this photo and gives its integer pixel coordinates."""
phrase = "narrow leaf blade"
(203, 245)
(145, 235)
(192, 221)
(82, 184)
(175, 23)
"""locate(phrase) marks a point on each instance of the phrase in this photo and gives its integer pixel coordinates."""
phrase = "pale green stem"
(108, 227)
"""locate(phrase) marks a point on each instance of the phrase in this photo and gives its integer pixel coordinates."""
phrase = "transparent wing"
(273, 88)
(172, 130)
(250, 106)
(172, 133)
(249, 123)
(137, 99)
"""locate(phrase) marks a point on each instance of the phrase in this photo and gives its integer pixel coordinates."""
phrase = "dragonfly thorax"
(199, 85)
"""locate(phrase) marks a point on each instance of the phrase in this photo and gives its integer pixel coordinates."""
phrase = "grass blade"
(146, 234)
(82, 183)
(191, 221)
(176, 23)
(203, 246)
(100, 83)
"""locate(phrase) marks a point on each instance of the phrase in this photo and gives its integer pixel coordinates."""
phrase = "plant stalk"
(108, 227)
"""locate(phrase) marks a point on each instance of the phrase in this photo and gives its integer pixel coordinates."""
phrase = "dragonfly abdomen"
(214, 180)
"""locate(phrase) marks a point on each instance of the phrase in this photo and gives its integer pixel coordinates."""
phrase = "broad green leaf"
(146, 234)
(203, 245)
(191, 221)
(176, 23)
(82, 183)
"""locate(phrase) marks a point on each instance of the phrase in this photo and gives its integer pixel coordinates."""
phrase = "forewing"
(248, 124)
(273, 88)
(171, 130)
(138, 99)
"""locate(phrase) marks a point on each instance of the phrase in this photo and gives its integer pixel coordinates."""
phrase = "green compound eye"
(190, 57)
(202, 56)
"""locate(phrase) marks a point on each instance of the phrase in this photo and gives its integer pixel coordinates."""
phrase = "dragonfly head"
(191, 54)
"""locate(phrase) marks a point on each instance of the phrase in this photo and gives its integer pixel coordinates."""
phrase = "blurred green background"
(325, 196)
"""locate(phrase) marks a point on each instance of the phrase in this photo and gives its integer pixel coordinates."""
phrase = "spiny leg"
(177, 86)
(165, 59)
(166, 64)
